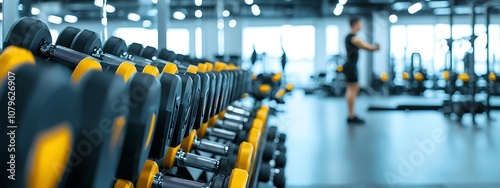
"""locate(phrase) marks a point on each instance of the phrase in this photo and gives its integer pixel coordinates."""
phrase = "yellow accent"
(238, 179)
(192, 69)
(253, 138)
(51, 148)
(244, 95)
(221, 114)
(405, 76)
(212, 120)
(151, 128)
(259, 125)
(340, 68)
(264, 88)
(464, 77)
(202, 67)
(492, 76)
(419, 77)
(210, 66)
(151, 70)
(147, 174)
(277, 77)
(170, 68)
(289, 87)
(266, 108)
(85, 65)
(12, 57)
(384, 77)
(254, 77)
(261, 114)
(187, 143)
(169, 159)
(126, 70)
(280, 93)
(121, 183)
(231, 66)
(117, 133)
(446, 75)
(203, 129)
(219, 66)
(245, 154)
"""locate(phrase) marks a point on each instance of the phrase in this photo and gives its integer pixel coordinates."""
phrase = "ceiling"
(86, 10)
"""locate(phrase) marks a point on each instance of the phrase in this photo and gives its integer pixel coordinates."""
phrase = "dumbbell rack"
(254, 179)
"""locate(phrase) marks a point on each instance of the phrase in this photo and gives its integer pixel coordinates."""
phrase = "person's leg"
(352, 90)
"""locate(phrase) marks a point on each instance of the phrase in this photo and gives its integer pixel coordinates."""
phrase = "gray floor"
(394, 148)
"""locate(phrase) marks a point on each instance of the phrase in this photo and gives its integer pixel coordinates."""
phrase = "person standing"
(353, 44)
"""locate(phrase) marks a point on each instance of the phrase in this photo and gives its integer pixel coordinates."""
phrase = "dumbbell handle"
(229, 125)
(211, 147)
(239, 111)
(235, 118)
(62, 54)
(221, 133)
(161, 181)
(197, 161)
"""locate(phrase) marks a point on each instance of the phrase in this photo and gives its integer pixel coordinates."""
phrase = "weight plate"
(28, 33)
(135, 49)
(166, 55)
(265, 172)
(184, 111)
(149, 52)
(86, 42)
(115, 46)
(279, 179)
(67, 36)
(269, 149)
(281, 160)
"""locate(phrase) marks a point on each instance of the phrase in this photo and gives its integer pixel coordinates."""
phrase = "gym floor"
(393, 149)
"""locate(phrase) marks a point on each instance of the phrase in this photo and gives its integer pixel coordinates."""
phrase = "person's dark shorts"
(351, 73)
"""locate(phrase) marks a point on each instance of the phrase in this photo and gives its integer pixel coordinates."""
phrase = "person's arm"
(360, 44)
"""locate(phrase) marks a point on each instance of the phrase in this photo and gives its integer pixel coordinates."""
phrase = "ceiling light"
(255, 10)
(198, 2)
(249, 2)
(98, 3)
(438, 4)
(104, 21)
(1, 16)
(110, 8)
(70, 19)
(154, 1)
(179, 15)
(393, 18)
(232, 23)
(134, 17)
(198, 13)
(35, 11)
(338, 9)
(343, 2)
(415, 8)
(147, 23)
(220, 24)
(226, 13)
(54, 19)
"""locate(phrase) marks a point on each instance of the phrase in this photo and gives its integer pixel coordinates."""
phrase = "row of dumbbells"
(135, 128)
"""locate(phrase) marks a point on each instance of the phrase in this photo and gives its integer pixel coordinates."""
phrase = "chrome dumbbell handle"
(161, 181)
(238, 111)
(229, 125)
(211, 147)
(197, 161)
(221, 133)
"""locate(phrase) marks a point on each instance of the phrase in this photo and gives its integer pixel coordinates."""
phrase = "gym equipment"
(277, 175)
(415, 76)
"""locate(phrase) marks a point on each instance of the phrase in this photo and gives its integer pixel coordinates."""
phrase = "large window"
(177, 39)
(296, 41)
(332, 40)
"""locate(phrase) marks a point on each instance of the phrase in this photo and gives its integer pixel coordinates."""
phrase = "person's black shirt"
(352, 50)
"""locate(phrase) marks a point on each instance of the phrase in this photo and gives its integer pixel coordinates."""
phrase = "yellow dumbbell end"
(212, 121)
(244, 95)
(446, 75)
(202, 67)
(170, 68)
(202, 130)
(238, 179)
(254, 77)
(264, 88)
(464, 77)
(147, 174)
(266, 108)
(187, 143)
(84, 66)
(261, 114)
(277, 77)
(121, 183)
(192, 69)
(48, 154)
(169, 159)
(419, 77)
(151, 70)
(231, 66)
(280, 93)
(253, 138)
(384, 77)
(221, 114)
(340, 68)
(492, 76)
(259, 125)
(126, 70)
(245, 154)
(289, 87)
(405, 76)
(219, 66)
(12, 57)
(210, 66)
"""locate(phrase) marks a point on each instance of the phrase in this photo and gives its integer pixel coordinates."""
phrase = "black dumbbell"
(267, 173)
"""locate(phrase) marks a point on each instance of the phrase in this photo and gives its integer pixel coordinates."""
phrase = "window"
(332, 40)
(198, 42)
(177, 39)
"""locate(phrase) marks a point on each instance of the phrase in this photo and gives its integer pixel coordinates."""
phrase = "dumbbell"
(153, 178)
(99, 164)
(276, 174)
(271, 152)
(39, 119)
